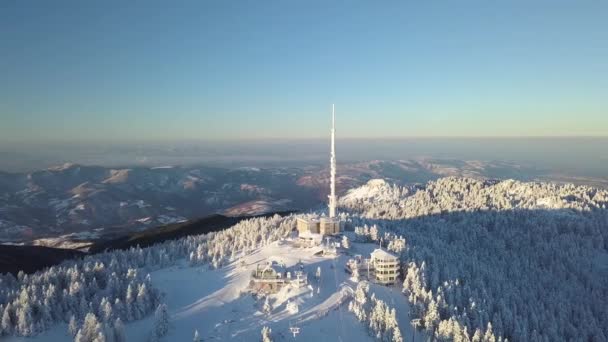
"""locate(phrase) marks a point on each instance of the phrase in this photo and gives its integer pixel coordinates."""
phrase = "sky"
(236, 70)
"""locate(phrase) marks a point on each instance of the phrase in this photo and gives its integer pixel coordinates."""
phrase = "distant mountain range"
(72, 203)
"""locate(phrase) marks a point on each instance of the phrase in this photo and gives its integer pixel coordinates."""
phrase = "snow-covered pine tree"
(143, 301)
(431, 319)
(266, 334)
(119, 331)
(397, 337)
(267, 308)
(129, 304)
(73, 326)
(6, 323)
(161, 321)
(91, 330)
(345, 242)
(24, 319)
(373, 233)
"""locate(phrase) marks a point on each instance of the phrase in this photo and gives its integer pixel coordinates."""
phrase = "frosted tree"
(91, 330)
(373, 233)
(267, 308)
(345, 242)
(318, 273)
(73, 326)
(161, 321)
(431, 319)
(129, 303)
(119, 331)
(266, 334)
(143, 301)
(477, 337)
(79, 337)
(355, 274)
(7, 324)
(24, 320)
(100, 337)
(106, 309)
(361, 293)
(489, 335)
(196, 338)
(397, 337)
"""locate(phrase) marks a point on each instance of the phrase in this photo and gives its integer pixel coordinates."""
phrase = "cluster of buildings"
(382, 267)
(274, 276)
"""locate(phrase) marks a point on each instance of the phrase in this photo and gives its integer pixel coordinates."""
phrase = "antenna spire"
(332, 161)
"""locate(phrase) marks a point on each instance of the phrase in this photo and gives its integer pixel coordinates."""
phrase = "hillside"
(482, 261)
(212, 223)
(94, 202)
(531, 259)
(32, 258)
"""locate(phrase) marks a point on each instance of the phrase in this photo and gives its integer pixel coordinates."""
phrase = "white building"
(386, 266)
(382, 267)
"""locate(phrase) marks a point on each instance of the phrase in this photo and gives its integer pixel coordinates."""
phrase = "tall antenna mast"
(332, 160)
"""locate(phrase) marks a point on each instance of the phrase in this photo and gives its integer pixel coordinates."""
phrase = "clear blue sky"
(171, 70)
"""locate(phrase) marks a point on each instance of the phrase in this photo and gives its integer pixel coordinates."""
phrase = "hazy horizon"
(580, 156)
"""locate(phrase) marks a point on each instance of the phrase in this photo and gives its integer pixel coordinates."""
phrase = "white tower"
(332, 161)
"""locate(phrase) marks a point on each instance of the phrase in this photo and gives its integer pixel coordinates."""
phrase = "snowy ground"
(218, 305)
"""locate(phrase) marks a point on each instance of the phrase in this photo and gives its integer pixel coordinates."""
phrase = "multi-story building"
(386, 266)
(382, 267)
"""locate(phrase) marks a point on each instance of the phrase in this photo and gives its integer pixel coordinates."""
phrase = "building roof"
(382, 254)
(273, 267)
(309, 219)
(308, 235)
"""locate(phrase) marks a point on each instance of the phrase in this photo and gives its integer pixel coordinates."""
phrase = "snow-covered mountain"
(74, 199)
(380, 199)
(481, 261)
(531, 259)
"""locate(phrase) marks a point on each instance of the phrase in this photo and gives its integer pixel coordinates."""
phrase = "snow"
(217, 302)
(145, 220)
(383, 254)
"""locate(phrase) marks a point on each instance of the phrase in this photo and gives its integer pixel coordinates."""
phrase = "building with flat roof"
(307, 239)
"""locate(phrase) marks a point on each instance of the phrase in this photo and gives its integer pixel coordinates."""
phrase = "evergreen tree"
(431, 319)
(73, 326)
(161, 322)
(119, 331)
(345, 242)
(91, 330)
(7, 324)
(266, 334)
(267, 307)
